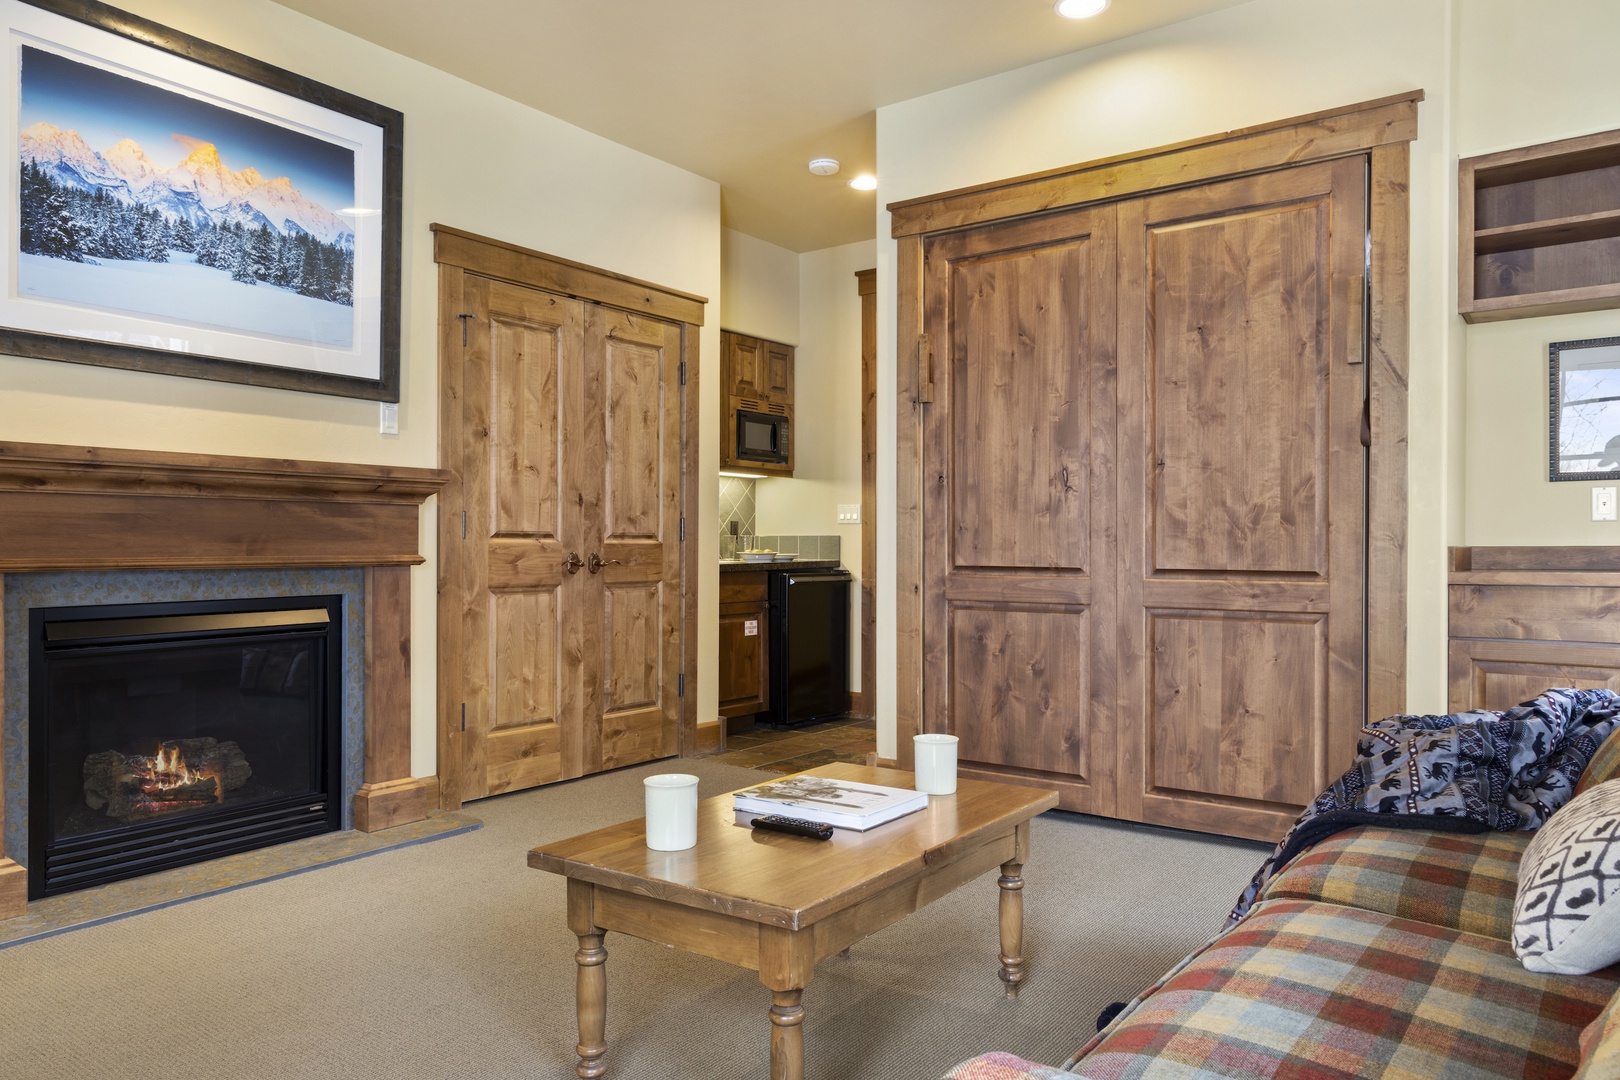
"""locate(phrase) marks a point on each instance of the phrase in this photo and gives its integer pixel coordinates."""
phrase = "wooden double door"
(561, 593)
(1144, 497)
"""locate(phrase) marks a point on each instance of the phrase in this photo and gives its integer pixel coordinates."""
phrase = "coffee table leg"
(1012, 925)
(590, 989)
(787, 1035)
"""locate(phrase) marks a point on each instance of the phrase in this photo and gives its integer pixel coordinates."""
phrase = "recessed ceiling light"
(1079, 9)
(824, 166)
(864, 182)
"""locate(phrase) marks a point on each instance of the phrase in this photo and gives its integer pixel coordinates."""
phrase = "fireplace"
(163, 734)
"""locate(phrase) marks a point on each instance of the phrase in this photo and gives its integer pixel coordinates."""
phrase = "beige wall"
(759, 288)
(473, 160)
(1262, 61)
(827, 415)
(1528, 74)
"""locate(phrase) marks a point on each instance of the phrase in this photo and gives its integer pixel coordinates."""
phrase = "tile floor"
(789, 750)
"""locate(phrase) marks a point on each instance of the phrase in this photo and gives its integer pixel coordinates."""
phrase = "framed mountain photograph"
(181, 208)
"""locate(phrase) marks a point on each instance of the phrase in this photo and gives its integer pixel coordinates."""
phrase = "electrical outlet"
(1603, 504)
(849, 513)
(388, 418)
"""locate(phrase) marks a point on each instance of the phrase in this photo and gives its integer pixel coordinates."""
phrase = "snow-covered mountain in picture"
(200, 190)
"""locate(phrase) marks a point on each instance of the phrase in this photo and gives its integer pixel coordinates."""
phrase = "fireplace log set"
(185, 774)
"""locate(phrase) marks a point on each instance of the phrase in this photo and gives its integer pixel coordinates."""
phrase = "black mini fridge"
(809, 646)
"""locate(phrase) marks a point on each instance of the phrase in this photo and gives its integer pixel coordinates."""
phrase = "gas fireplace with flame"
(166, 734)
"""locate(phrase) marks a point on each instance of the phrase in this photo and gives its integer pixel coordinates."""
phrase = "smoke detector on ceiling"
(824, 166)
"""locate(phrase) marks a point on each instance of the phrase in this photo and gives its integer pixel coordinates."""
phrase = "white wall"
(472, 160)
(1263, 61)
(1529, 74)
(827, 416)
(759, 288)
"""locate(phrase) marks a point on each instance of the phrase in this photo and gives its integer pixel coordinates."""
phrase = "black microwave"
(762, 437)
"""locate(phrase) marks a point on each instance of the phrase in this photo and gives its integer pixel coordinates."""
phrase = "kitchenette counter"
(732, 565)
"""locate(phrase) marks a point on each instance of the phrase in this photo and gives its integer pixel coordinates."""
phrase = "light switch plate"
(849, 513)
(1603, 504)
(388, 418)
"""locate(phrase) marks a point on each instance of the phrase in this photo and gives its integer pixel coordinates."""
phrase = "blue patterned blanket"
(1461, 772)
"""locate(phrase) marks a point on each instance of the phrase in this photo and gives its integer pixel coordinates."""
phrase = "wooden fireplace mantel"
(89, 508)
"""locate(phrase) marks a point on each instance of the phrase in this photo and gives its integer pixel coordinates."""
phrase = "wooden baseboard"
(394, 802)
(13, 889)
(857, 705)
(710, 739)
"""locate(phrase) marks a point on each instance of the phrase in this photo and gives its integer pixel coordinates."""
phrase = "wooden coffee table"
(778, 904)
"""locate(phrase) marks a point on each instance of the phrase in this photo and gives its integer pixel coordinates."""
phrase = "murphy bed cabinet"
(756, 375)
(1538, 229)
(745, 648)
(1140, 449)
(1525, 619)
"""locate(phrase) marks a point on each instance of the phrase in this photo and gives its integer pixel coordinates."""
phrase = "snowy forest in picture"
(236, 230)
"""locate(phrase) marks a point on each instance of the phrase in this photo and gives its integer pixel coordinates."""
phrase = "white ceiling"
(744, 92)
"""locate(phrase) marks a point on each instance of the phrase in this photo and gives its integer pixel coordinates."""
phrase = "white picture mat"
(90, 45)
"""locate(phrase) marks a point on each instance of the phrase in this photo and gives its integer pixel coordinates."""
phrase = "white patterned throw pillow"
(1566, 915)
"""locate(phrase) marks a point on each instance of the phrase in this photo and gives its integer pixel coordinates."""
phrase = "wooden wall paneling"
(1313, 137)
(1388, 345)
(908, 481)
(1550, 611)
(866, 284)
(1534, 560)
(390, 795)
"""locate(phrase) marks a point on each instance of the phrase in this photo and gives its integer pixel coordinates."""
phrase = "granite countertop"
(731, 565)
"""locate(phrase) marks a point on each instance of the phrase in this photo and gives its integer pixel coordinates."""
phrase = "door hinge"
(680, 686)
(925, 370)
(683, 530)
(464, 319)
(1366, 423)
(683, 372)
(463, 716)
(464, 524)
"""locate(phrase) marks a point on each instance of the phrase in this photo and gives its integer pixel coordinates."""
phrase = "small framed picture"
(1584, 409)
(181, 208)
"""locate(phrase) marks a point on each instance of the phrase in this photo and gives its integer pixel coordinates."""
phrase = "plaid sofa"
(1378, 952)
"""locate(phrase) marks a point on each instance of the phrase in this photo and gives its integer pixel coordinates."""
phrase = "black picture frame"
(1583, 409)
(281, 365)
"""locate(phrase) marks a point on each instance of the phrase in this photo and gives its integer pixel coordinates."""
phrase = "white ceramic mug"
(671, 811)
(935, 757)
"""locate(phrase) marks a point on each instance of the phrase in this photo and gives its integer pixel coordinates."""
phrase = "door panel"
(1019, 511)
(1242, 496)
(633, 397)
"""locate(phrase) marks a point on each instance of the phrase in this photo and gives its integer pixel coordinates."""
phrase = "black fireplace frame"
(59, 866)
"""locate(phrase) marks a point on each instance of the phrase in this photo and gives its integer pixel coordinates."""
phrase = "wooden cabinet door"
(745, 666)
(1241, 496)
(570, 443)
(744, 371)
(1018, 502)
(777, 372)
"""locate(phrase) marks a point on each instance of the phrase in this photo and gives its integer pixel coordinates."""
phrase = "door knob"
(574, 562)
(594, 563)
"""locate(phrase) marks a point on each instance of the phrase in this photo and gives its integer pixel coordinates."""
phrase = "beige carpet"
(451, 959)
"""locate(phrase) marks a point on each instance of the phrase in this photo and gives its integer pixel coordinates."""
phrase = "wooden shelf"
(1539, 229)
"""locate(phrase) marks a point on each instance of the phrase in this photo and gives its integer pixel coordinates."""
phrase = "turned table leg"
(590, 989)
(787, 1035)
(1012, 925)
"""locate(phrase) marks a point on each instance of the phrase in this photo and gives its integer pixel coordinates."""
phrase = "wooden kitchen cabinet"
(756, 376)
(745, 655)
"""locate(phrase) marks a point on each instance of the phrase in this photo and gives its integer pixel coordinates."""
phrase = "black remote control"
(815, 830)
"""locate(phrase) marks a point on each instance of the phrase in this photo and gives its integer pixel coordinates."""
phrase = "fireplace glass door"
(166, 734)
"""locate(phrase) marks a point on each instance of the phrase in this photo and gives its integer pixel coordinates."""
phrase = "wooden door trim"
(1381, 130)
(1341, 132)
(866, 286)
(524, 266)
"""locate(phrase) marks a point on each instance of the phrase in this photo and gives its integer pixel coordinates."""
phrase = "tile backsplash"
(736, 504)
(805, 547)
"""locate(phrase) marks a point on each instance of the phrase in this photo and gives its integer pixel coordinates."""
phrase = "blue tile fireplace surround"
(82, 526)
